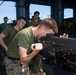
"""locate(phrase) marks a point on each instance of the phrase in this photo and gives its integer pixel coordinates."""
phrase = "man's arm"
(2, 43)
(24, 57)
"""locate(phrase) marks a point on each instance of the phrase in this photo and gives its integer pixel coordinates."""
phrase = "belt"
(13, 58)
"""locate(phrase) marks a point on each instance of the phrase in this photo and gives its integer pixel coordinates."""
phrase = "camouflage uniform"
(25, 70)
(13, 67)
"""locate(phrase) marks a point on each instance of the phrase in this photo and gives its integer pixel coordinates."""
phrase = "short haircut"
(21, 18)
(36, 12)
(50, 23)
(15, 21)
(5, 18)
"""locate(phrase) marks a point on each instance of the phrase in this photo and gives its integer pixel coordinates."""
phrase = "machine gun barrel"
(53, 43)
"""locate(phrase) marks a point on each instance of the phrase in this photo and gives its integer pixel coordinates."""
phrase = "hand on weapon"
(55, 44)
(64, 36)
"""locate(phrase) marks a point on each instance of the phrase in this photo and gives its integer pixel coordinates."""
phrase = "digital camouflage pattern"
(16, 67)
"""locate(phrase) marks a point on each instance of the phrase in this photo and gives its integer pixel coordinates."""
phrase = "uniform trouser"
(13, 67)
(36, 74)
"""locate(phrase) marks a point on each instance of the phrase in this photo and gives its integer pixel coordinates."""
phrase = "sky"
(8, 9)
